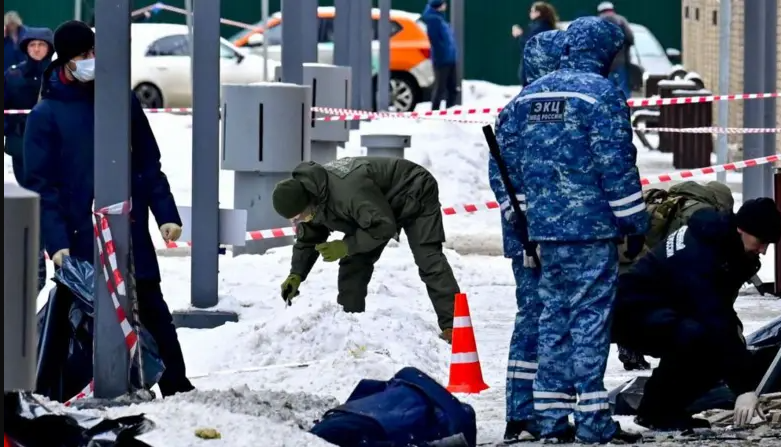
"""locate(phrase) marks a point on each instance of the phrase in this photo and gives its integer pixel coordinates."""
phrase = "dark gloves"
(634, 245)
(290, 287)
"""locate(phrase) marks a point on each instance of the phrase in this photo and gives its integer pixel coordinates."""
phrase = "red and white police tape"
(468, 208)
(339, 114)
(114, 281)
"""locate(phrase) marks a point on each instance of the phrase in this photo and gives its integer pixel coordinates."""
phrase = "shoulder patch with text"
(547, 110)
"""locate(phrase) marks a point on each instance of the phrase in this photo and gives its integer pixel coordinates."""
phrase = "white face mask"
(85, 70)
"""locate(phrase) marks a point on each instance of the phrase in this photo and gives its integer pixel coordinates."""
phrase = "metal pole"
(205, 166)
(342, 41)
(771, 77)
(264, 22)
(292, 48)
(725, 24)
(362, 78)
(457, 13)
(188, 5)
(112, 185)
(754, 82)
(77, 9)
(383, 73)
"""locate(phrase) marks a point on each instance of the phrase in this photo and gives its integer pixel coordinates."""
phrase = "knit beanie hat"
(290, 198)
(761, 219)
(71, 39)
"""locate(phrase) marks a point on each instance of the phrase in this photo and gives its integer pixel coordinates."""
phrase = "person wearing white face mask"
(58, 152)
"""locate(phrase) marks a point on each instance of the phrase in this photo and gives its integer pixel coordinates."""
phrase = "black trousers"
(686, 360)
(445, 87)
(157, 319)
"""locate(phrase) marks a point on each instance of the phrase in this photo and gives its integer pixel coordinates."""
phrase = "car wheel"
(149, 96)
(404, 92)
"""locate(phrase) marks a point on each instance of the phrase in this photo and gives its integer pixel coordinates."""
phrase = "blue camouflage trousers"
(577, 290)
(522, 364)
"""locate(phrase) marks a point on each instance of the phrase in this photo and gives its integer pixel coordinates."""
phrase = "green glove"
(290, 287)
(332, 251)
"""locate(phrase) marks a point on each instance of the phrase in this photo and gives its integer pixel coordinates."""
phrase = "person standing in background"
(13, 32)
(543, 18)
(21, 86)
(619, 71)
(444, 54)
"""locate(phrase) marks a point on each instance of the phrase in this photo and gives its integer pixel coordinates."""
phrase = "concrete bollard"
(331, 87)
(21, 236)
(265, 136)
(385, 145)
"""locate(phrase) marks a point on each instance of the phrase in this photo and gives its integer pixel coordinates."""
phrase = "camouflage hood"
(591, 44)
(714, 194)
(542, 55)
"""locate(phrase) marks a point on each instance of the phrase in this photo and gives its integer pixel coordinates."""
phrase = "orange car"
(412, 74)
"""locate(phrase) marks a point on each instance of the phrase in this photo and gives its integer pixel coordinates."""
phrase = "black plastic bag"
(65, 328)
(28, 422)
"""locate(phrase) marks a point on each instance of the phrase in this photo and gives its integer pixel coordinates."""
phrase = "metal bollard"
(385, 145)
(693, 150)
(21, 236)
(668, 115)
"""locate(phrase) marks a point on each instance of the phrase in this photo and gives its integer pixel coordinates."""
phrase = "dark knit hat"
(290, 198)
(71, 39)
(761, 219)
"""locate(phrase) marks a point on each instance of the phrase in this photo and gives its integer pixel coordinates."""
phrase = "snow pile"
(260, 380)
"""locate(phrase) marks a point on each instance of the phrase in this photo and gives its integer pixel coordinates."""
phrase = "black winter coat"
(697, 272)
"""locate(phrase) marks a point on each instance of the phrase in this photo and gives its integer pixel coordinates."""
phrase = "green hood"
(714, 194)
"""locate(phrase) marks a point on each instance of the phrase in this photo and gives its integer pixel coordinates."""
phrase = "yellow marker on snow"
(207, 433)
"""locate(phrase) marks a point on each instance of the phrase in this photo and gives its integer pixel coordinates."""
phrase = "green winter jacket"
(670, 210)
(369, 199)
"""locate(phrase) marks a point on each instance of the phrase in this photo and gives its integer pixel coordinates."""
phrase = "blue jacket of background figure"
(440, 36)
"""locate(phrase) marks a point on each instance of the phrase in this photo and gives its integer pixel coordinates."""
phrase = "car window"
(326, 29)
(273, 35)
(174, 45)
(647, 45)
(227, 52)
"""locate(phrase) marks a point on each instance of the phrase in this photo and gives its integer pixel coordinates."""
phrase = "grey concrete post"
(457, 21)
(299, 38)
(754, 82)
(331, 87)
(386, 145)
(342, 40)
(725, 25)
(265, 136)
(771, 76)
(362, 75)
(112, 185)
(205, 212)
(383, 72)
(21, 236)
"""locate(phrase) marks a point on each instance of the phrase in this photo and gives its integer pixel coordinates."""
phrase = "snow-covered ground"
(249, 389)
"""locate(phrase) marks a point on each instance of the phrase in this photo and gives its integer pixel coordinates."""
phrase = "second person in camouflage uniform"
(583, 192)
(541, 56)
(370, 200)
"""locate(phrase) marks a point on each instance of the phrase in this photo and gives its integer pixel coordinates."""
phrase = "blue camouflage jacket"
(574, 138)
(541, 56)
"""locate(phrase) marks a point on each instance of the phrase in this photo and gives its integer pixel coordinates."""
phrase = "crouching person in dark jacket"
(58, 151)
(676, 303)
(21, 87)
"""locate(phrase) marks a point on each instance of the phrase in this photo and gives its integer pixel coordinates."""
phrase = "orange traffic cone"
(466, 376)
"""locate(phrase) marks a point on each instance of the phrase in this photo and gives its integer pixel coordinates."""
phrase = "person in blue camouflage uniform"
(583, 194)
(541, 56)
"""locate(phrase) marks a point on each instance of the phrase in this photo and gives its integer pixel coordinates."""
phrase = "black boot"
(625, 437)
(632, 360)
(521, 431)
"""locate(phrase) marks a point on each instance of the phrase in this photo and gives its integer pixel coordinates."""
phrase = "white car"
(160, 65)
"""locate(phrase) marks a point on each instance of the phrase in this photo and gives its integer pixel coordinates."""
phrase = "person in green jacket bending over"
(370, 200)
